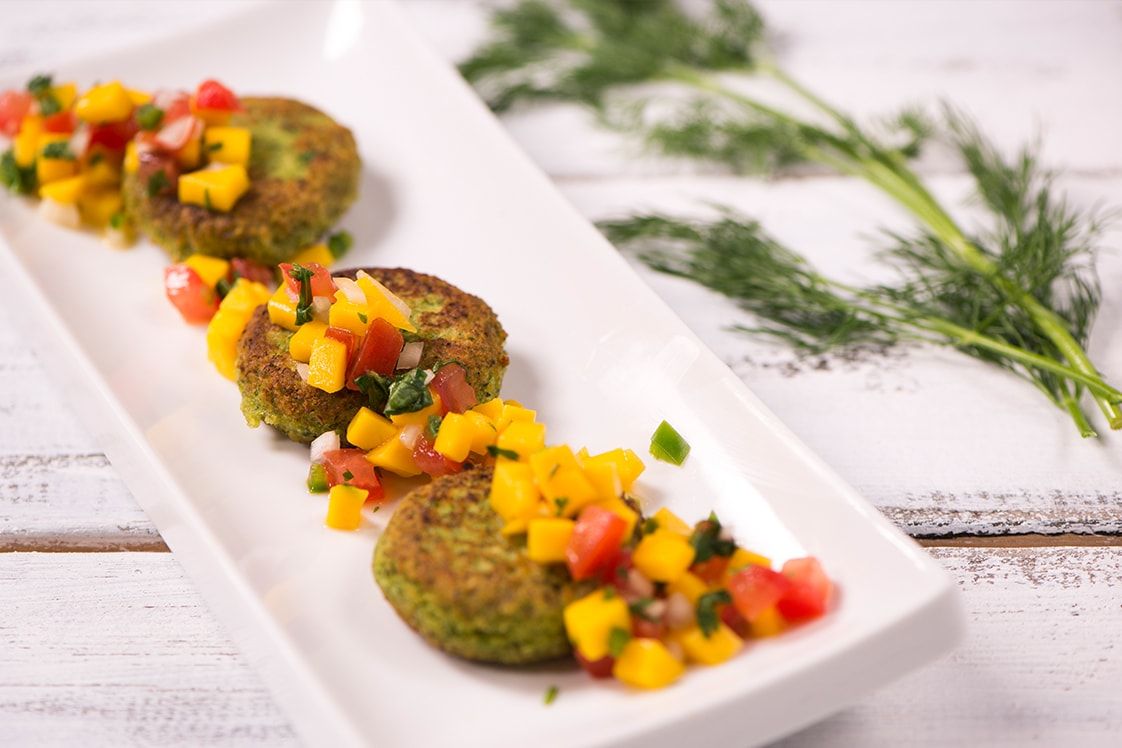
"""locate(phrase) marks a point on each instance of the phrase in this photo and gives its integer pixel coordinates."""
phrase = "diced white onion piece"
(429, 375)
(656, 609)
(80, 141)
(638, 584)
(351, 290)
(118, 238)
(302, 370)
(321, 308)
(410, 434)
(410, 355)
(391, 297)
(679, 611)
(325, 442)
(63, 215)
(178, 133)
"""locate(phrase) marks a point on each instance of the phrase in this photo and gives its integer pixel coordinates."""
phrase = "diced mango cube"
(64, 94)
(589, 621)
(31, 124)
(483, 431)
(327, 366)
(455, 437)
(210, 269)
(282, 309)
(368, 429)
(349, 315)
(132, 158)
(138, 97)
(190, 156)
(627, 463)
(214, 189)
(228, 323)
(25, 147)
(98, 206)
(101, 171)
(604, 477)
(516, 526)
(663, 556)
(619, 507)
(513, 493)
(300, 344)
(380, 301)
(49, 170)
(569, 490)
(647, 663)
(668, 520)
(689, 585)
(511, 413)
(547, 538)
(227, 145)
(493, 408)
(317, 253)
(109, 102)
(522, 437)
(717, 647)
(742, 557)
(344, 507)
(418, 417)
(768, 623)
(394, 456)
(64, 191)
(546, 462)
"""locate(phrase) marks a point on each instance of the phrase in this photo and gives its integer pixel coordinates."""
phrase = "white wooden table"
(106, 642)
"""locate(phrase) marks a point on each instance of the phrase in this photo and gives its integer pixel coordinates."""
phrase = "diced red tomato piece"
(754, 589)
(596, 538)
(711, 570)
(113, 136)
(808, 594)
(241, 267)
(432, 462)
(456, 395)
(14, 106)
(322, 285)
(60, 122)
(214, 96)
(731, 617)
(194, 299)
(151, 162)
(615, 571)
(644, 629)
(601, 668)
(350, 467)
(378, 353)
(346, 337)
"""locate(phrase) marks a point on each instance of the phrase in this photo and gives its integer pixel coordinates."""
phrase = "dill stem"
(906, 188)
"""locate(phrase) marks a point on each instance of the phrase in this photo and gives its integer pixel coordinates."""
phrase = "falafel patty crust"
(452, 324)
(448, 572)
(303, 172)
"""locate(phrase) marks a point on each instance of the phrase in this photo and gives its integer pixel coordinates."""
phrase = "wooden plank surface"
(117, 648)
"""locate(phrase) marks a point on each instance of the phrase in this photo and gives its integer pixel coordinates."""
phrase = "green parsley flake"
(509, 454)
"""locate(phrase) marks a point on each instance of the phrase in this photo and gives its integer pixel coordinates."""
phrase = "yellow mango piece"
(282, 309)
(714, 649)
(318, 253)
(668, 520)
(300, 344)
(483, 431)
(454, 438)
(349, 315)
(49, 170)
(64, 191)
(344, 507)
(418, 417)
(190, 156)
(327, 366)
(522, 437)
(768, 623)
(604, 477)
(689, 585)
(132, 158)
(492, 409)
(137, 97)
(227, 145)
(589, 621)
(647, 663)
(547, 538)
(394, 456)
(627, 464)
(31, 124)
(378, 299)
(64, 94)
(663, 556)
(368, 429)
(228, 323)
(210, 269)
(742, 557)
(25, 147)
(98, 206)
(511, 412)
(109, 102)
(516, 526)
(101, 171)
(619, 507)
(214, 189)
(568, 490)
(513, 493)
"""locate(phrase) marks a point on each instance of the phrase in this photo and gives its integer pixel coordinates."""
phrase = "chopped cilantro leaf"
(303, 276)
(21, 181)
(157, 183)
(408, 393)
(149, 116)
(707, 541)
(639, 607)
(617, 640)
(650, 525)
(40, 84)
(561, 502)
(213, 147)
(551, 695)
(433, 426)
(59, 149)
(117, 220)
(494, 451)
(376, 388)
(707, 618)
(339, 242)
(348, 475)
(363, 318)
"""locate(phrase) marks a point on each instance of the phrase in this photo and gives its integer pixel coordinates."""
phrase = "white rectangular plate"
(444, 191)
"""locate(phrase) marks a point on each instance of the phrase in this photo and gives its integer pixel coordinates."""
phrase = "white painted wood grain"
(117, 648)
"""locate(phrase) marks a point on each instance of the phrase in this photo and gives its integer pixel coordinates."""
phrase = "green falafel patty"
(303, 172)
(453, 326)
(448, 572)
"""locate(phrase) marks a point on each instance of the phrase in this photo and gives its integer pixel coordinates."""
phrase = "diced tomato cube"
(350, 467)
(711, 570)
(241, 267)
(14, 106)
(346, 337)
(754, 589)
(152, 162)
(808, 594)
(456, 395)
(60, 122)
(194, 299)
(322, 285)
(596, 538)
(428, 460)
(113, 136)
(378, 353)
(214, 96)
(601, 668)
(644, 629)
(616, 570)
